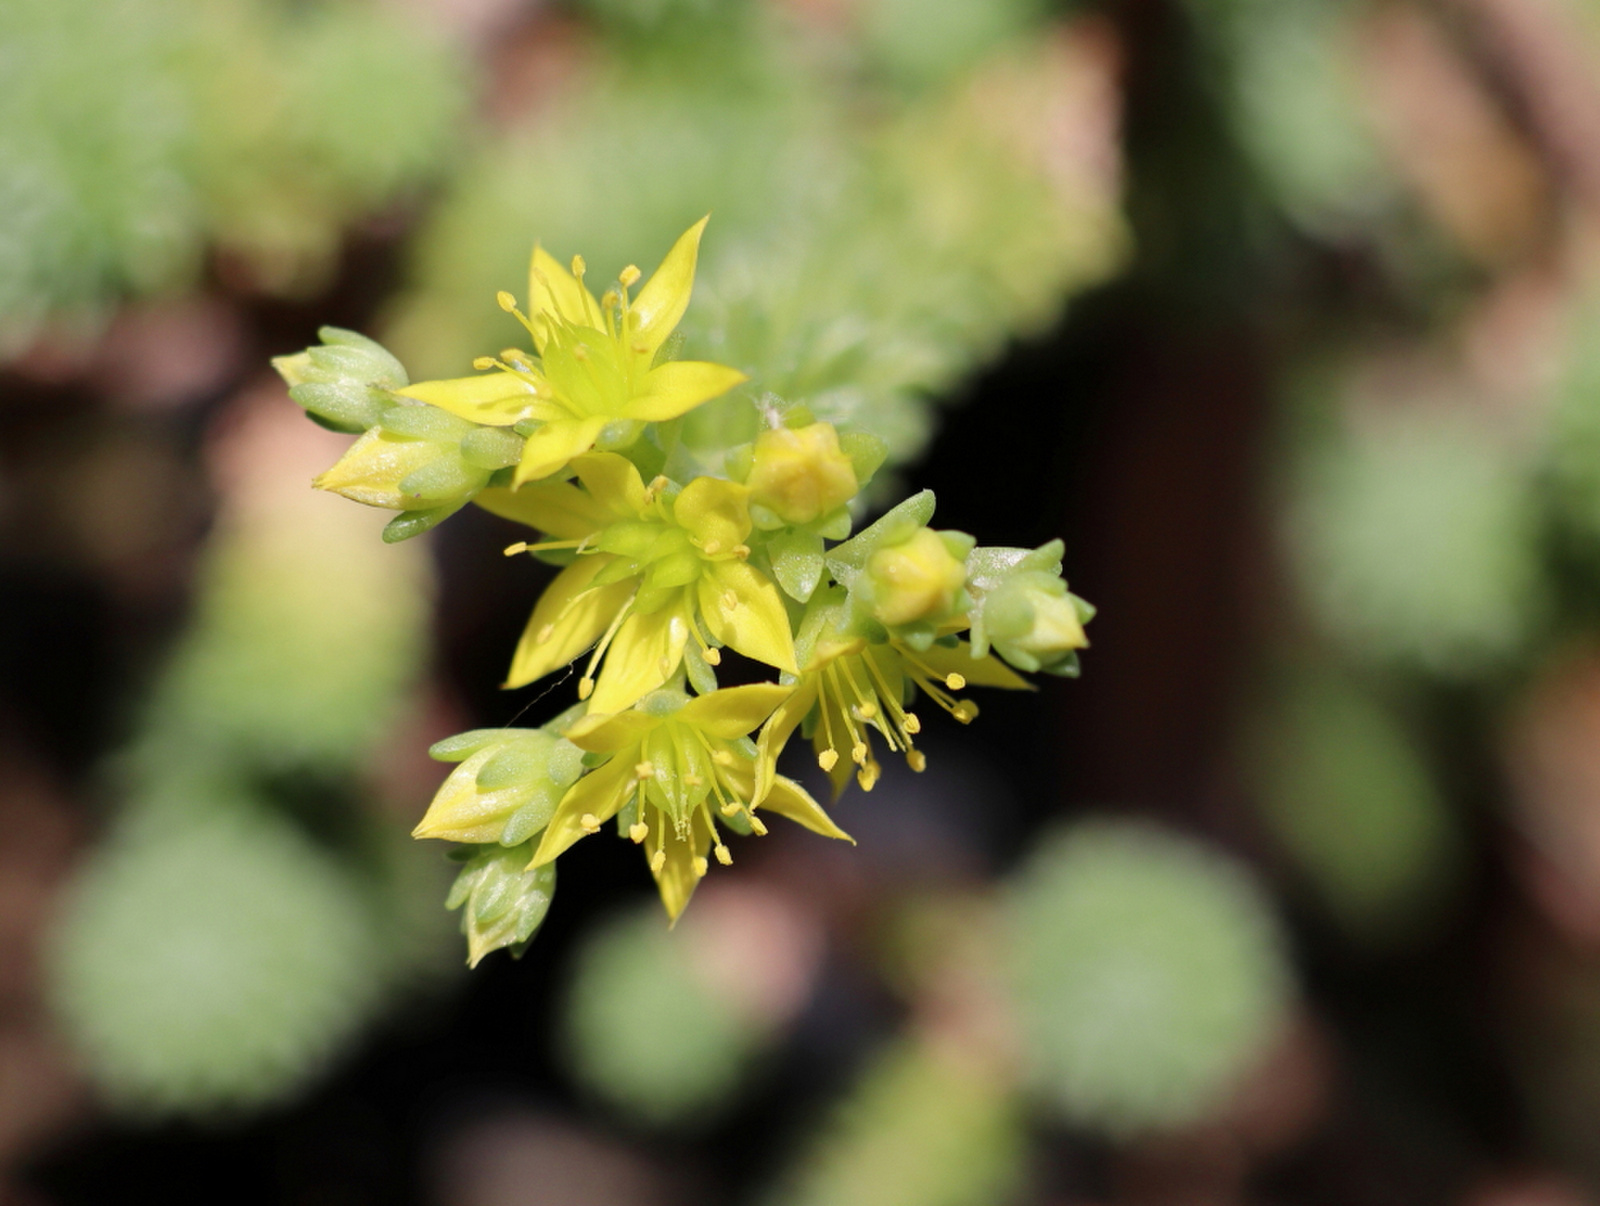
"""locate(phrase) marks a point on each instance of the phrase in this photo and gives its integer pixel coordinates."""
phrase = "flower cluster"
(666, 562)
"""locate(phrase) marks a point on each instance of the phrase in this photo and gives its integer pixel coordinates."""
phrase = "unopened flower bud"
(800, 474)
(1033, 622)
(506, 788)
(505, 899)
(916, 580)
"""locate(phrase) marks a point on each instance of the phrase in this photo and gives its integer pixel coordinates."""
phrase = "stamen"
(711, 655)
(579, 267)
(724, 855)
(644, 770)
(522, 546)
(638, 831)
(913, 725)
(917, 760)
(867, 776)
(828, 759)
(629, 276)
(730, 809)
(585, 687)
(758, 826)
(658, 860)
(700, 865)
(507, 301)
(603, 645)
(511, 550)
(590, 822)
(481, 363)
(966, 711)
(954, 681)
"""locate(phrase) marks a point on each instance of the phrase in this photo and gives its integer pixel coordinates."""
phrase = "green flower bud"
(505, 900)
(1021, 606)
(344, 384)
(506, 788)
(800, 474)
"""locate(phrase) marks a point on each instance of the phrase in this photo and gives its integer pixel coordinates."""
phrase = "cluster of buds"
(666, 561)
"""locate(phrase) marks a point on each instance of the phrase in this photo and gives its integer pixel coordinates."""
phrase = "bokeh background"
(1285, 314)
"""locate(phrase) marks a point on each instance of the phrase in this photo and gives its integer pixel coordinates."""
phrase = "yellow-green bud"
(915, 580)
(506, 788)
(800, 474)
(1033, 622)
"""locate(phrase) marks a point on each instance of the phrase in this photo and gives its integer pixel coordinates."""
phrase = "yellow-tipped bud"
(918, 579)
(800, 474)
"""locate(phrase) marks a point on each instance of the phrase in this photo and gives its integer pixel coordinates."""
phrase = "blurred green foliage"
(1149, 975)
(136, 133)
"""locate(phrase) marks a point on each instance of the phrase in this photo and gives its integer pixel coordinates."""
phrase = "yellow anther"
(954, 681)
(585, 687)
(713, 656)
(658, 483)
(701, 866)
(508, 303)
(965, 711)
(828, 759)
(578, 267)
(741, 551)
(729, 809)
(711, 548)
(590, 822)
(858, 753)
(910, 723)
(867, 776)
(645, 770)
(724, 855)
(511, 550)
(638, 831)
(690, 779)
(658, 860)
(483, 362)
(867, 710)
(758, 826)
(629, 276)
(730, 601)
(722, 758)
(917, 760)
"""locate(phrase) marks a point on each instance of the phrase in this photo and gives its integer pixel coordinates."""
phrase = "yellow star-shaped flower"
(595, 373)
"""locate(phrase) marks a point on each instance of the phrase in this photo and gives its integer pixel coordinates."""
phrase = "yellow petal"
(743, 609)
(456, 805)
(569, 617)
(372, 468)
(676, 880)
(553, 445)
(988, 671)
(643, 655)
(552, 289)
(603, 733)
(788, 799)
(715, 512)
(665, 296)
(555, 508)
(497, 399)
(613, 481)
(734, 711)
(600, 794)
(776, 732)
(678, 386)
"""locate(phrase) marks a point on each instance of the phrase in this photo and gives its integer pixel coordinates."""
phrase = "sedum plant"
(672, 555)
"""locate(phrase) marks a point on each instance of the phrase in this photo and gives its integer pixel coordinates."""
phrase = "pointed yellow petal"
(743, 609)
(715, 512)
(988, 671)
(457, 806)
(603, 733)
(372, 468)
(556, 508)
(553, 445)
(665, 296)
(600, 794)
(788, 799)
(613, 481)
(569, 617)
(552, 289)
(678, 386)
(496, 399)
(643, 655)
(734, 711)
(676, 880)
(776, 732)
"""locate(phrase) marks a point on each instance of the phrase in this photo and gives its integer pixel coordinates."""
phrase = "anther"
(910, 723)
(722, 757)
(954, 681)
(508, 303)
(629, 276)
(729, 600)
(828, 759)
(483, 362)
(965, 711)
(585, 687)
(645, 770)
(511, 550)
(917, 760)
(658, 860)
(700, 865)
(690, 779)
(758, 826)
(724, 855)
(638, 831)
(711, 548)
(658, 483)
(713, 657)
(867, 776)
(741, 551)
(578, 266)
(590, 822)
(867, 710)
(858, 753)
(729, 809)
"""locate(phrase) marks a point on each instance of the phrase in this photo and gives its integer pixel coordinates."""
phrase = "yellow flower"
(595, 372)
(851, 687)
(656, 563)
(678, 765)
